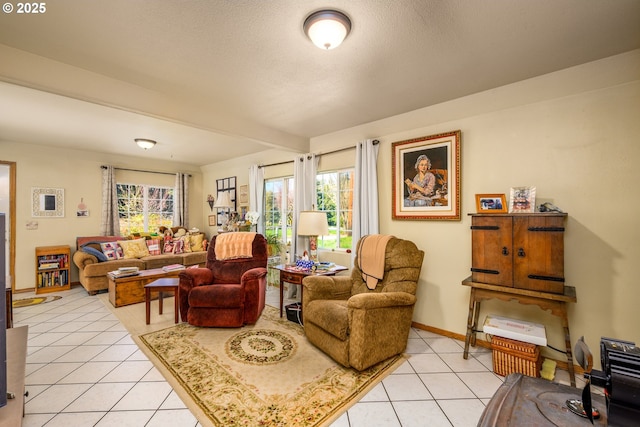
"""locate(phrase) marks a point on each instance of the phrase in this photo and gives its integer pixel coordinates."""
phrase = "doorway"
(8, 207)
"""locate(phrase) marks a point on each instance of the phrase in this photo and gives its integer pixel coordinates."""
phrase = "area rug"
(266, 374)
(26, 302)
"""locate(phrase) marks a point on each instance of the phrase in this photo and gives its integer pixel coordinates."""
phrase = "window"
(278, 211)
(334, 196)
(144, 208)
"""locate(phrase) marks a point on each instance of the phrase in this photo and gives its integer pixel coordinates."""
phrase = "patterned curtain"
(181, 201)
(109, 224)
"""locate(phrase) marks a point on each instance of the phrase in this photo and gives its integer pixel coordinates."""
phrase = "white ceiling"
(217, 79)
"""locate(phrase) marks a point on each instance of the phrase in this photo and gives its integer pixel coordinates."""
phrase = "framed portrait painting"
(426, 177)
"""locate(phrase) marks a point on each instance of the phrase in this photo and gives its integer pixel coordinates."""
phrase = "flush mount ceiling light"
(327, 28)
(145, 143)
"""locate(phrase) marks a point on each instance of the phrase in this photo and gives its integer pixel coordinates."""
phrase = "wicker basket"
(511, 356)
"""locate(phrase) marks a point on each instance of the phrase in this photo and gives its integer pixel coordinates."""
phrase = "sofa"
(94, 261)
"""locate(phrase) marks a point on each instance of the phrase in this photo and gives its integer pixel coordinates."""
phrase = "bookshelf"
(52, 269)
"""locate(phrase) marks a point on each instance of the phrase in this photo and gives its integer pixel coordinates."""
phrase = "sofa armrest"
(326, 287)
(82, 259)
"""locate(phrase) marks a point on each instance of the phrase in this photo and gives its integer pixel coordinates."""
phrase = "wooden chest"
(524, 251)
(130, 290)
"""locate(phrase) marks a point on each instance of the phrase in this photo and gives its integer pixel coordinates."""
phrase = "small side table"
(161, 286)
(295, 277)
(556, 304)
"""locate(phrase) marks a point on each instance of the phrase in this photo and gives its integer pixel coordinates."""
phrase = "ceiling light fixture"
(327, 28)
(145, 143)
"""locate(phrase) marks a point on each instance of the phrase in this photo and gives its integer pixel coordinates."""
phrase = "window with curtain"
(334, 196)
(278, 207)
(144, 208)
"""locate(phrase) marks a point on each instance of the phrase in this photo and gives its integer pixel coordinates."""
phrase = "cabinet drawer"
(291, 278)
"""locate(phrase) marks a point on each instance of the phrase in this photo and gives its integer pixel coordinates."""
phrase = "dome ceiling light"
(327, 28)
(145, 143)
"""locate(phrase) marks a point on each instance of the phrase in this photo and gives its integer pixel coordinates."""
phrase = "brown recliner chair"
(226, 292)
(359, 327)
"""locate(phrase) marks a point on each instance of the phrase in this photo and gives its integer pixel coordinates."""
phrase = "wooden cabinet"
(52, 269)
(524, 251)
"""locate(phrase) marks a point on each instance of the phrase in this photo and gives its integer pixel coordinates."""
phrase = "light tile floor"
(83, 369)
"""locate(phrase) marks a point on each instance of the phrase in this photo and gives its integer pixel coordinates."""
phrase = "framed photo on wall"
(491, 203)
(426, 177)
(47, 202)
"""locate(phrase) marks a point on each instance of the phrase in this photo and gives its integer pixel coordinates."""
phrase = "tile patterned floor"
(83, 369)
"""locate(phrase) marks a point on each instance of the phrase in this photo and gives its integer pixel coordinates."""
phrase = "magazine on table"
(173, 267)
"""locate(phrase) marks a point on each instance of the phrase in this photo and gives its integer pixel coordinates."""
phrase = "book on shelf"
(47, 265)
(518, 330)
(173, 267)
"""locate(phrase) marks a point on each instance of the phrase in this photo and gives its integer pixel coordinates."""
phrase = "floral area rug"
(266, 374)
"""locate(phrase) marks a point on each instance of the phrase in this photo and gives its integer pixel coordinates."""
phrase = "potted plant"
(274, 245)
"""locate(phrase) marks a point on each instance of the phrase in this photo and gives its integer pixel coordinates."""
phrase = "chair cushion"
(217, 296)
(330, 315)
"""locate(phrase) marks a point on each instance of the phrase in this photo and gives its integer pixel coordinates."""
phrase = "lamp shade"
(327, 28)
(224, 200)
(313, 223)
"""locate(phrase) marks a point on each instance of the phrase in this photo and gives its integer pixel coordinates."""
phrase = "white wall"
(79, 174)
(572, 134)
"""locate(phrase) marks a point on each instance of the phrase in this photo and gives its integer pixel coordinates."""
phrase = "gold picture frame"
(491, 203)
(426, 177)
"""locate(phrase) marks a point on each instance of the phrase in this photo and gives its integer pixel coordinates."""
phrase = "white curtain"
(109, 224)
(365, 192)
(256, 194)
(304, 179)
(181, 201)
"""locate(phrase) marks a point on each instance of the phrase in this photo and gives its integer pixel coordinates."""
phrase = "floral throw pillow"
(168, 245)
(178, 246)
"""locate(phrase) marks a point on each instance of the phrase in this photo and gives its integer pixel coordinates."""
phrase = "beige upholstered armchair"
(359, 327)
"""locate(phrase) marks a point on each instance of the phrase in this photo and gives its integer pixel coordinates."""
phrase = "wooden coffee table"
(167, 284)
(130, 290)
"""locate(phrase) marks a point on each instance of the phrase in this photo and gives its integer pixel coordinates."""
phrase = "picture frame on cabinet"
(522, 200)
(491, 203)
(426, 177)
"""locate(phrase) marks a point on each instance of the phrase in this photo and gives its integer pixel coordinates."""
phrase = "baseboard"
(486, 344)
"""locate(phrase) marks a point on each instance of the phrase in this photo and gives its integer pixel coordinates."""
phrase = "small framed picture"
(213, 220)
(491, 203)
(522, 200)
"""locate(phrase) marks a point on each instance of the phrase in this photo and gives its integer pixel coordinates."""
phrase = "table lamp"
(224, 202)
(313, 224)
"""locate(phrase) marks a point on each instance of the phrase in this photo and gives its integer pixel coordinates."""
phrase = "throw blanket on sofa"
(371, 258)
(234, 245)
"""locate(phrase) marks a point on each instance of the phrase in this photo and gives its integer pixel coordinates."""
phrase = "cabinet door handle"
(521, 253)
(505, 251)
